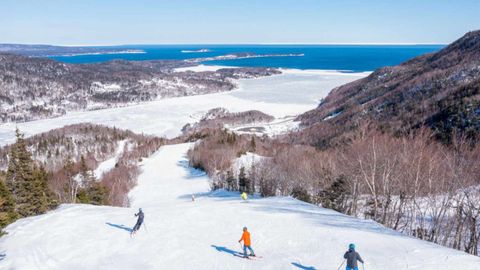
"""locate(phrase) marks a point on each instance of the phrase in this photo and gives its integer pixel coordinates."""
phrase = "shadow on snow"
(221, 195)
(227, 250)
(303, 266)
(319, 215)
(192, 173)
(122, 227)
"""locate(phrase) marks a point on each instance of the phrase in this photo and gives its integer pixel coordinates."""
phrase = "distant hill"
(439, 90)
(50, 50)
(33, 88)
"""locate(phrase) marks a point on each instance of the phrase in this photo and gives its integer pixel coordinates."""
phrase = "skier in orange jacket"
(246, 243)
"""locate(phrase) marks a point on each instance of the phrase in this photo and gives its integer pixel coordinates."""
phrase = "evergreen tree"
(335, 196)
(20, 178)
(91, 191)
(46, 197)
(301, 194)
(243, 181)
(82, 196)
(85, 172)
(97, 194)
(7, 206)
(27, 183)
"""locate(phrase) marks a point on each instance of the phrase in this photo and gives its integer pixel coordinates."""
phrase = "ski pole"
(145, 226)
(363, 266)
(341, 265)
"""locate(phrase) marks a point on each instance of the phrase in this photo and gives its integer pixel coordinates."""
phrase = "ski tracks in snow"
(203, 234)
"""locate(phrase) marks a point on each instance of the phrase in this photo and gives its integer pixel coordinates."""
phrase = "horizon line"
(232, 44)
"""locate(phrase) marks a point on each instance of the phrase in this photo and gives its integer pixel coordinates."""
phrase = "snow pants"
(349, 268)
(245, 250)
(137, 225)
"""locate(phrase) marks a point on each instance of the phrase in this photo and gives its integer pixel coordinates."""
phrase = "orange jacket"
(245, 238)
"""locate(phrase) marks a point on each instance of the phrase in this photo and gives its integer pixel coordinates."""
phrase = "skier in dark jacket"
(140, 216)
(352, 257)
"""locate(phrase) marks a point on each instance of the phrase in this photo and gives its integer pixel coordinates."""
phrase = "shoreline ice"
(202, 68)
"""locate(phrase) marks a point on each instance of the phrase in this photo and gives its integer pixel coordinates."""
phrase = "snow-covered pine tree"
(24, 182)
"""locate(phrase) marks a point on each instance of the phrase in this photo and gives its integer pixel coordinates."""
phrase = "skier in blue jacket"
(352, 257)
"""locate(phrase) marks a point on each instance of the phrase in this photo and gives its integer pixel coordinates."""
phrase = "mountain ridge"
(439, 90)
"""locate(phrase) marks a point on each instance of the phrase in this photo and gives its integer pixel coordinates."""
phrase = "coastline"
(206, 67)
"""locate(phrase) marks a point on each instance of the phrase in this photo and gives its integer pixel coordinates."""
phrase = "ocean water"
(353, 58)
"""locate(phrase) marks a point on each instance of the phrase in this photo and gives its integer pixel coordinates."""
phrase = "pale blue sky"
(102, 22)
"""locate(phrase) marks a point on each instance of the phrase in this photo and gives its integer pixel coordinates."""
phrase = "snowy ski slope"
(181, 234)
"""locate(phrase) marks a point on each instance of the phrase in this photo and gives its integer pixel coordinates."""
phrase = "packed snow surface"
(284, 95)
(181, 234)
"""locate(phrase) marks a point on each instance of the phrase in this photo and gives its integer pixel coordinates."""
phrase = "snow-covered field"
(288, 94)
(181, 234)
(201, 68)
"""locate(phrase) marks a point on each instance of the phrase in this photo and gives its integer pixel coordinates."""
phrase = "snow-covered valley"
(288, 94)
(181, 234)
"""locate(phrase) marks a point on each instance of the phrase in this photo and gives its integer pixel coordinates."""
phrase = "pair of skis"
(132, 233)
(241, 255)
(249, 257)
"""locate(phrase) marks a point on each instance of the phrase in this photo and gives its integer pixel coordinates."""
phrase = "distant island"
(51, 50)
(196, 51)
(99, 53)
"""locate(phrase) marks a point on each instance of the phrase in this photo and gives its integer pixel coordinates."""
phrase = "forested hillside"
(35, 88)
(440, 91)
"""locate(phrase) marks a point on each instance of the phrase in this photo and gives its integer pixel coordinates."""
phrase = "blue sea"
(352, 58)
